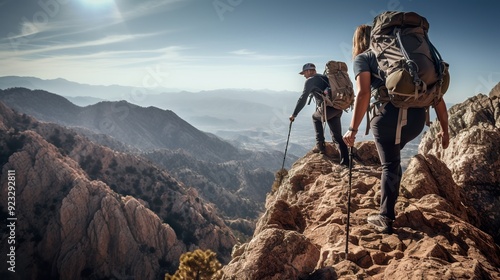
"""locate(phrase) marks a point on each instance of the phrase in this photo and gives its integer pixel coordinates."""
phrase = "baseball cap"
(307, 66)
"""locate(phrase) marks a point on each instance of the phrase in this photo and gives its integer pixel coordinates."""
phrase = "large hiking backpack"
(415, 74)
(340, 95)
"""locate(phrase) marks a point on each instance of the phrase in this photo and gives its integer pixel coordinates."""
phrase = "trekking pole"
(324, 117)
(348, 203)
(286, 147)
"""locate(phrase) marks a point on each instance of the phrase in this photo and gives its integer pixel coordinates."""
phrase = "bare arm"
(442, 115)
(360, 106)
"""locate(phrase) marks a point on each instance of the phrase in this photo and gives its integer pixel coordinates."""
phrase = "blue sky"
(214, 44)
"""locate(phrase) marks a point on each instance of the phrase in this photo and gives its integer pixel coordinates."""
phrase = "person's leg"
(390, 157)
(335, 125)
(414, 126)
(320, 135)
(384, 131)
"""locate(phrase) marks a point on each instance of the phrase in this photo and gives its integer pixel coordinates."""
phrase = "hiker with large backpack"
(315, 86)
(397, 116)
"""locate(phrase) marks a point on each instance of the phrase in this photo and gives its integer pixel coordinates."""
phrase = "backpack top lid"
(384, 23)
(335, 66)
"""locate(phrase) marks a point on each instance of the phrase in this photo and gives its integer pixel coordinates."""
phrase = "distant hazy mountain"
(83, 101)
(247, 118)
(73, 89)
(257, 120)
(234, 179)
(262, 113)
(143, 128)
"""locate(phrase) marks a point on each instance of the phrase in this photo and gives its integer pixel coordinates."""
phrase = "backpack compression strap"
(402, 120)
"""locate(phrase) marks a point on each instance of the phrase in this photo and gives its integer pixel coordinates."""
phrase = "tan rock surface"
(77, 215)
(81, 227)
(437, 229)
(473, 156)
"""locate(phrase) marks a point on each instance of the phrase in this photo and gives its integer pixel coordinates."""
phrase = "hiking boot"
(320, 148)
(382, 223)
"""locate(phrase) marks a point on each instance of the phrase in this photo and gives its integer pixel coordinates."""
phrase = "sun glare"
(98, 2)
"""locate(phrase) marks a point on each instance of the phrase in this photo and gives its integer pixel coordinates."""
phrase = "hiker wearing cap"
(315, 85)
(384, 126)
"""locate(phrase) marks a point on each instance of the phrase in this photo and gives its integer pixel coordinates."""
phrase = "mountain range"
(127, 150)
(107, 191)
(233, 179)
(248, 119)
(75, 90)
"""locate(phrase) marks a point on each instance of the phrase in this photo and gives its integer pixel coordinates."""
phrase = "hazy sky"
(213, 44)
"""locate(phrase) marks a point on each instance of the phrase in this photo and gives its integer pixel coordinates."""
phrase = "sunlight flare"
(98, 2)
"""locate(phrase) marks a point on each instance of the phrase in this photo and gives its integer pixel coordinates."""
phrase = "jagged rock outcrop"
(473, 156)
(86, 212)
(437, 234)
(70, 227)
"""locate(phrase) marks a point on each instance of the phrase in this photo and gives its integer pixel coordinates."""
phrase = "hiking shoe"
(382, 223)
(320, 148)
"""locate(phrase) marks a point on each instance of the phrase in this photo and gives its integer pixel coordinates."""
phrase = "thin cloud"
(118, 59)
(59, 47)
(103, 59)
(29, 32)
(144, 8)
(28, 29)
(101, 42)
(243, 52)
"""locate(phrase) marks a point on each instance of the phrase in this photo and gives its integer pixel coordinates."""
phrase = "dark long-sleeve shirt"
(314, 85)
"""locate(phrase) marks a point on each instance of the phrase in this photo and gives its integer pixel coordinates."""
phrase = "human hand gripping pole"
(350, 136)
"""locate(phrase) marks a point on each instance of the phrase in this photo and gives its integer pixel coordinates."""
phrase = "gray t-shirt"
(367, 61)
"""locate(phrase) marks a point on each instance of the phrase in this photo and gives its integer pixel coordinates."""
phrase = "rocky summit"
(447, 220)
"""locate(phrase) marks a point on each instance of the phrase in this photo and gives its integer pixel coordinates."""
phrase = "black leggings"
(384, 126)
(333, 116)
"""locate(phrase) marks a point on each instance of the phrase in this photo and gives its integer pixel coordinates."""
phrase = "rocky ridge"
(85, 211)
(447, 212)
(473, 157)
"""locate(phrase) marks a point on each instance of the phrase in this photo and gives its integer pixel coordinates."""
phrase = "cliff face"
(473, 156)
(83, 211)
(447, 212)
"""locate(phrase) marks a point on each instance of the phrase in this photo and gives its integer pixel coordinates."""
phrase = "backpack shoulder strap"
(326, 81)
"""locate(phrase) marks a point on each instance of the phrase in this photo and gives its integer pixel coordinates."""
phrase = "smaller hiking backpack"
(415, 75)
(340, 95)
